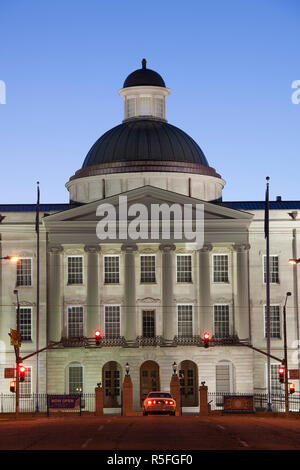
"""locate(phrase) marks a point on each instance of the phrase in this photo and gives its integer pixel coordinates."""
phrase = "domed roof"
(144, 77)
(143, 140)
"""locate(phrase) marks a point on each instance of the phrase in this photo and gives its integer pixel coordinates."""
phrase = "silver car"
(159, 402)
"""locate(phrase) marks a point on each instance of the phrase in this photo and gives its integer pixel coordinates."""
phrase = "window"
(221, 321)
(159, 107)
(25, 323)
(25, 387)
(184, 268)
(220, 268)
(145, 106)
(131, 103)
(75, 378)
(185, 320)
(148, 268)
(111, 269)
(274, 269)
(75, 322)
(112, 321)
(75, 269)
(276, 386)
(24, 276)
(274, 321)
(148, 323)
(223, 378)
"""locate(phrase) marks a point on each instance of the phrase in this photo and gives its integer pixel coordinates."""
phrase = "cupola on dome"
(144, 77)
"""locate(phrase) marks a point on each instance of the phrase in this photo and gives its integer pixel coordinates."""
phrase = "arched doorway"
(111, 375)
(149, 378)
(188, 374)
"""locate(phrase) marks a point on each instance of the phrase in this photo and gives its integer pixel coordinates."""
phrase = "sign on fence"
(294, 374)
(238, 404)
(64, 402)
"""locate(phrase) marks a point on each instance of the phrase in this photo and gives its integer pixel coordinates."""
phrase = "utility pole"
(286, 378)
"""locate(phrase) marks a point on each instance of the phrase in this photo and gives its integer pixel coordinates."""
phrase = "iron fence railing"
(216, 401)
(38, 402)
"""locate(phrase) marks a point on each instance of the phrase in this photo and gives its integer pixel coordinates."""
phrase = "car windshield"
(159, 395)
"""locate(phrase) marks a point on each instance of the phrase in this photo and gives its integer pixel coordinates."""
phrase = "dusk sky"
(229, 64)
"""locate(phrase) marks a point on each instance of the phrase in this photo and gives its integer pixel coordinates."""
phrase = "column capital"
(55, 249)
(167, 247)
(240, 247)
(129, 248)
(207, 247)
(92, 248)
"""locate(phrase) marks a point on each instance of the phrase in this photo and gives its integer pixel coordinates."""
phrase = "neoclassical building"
(152, 299)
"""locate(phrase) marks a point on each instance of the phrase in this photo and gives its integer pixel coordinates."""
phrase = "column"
(169, 315)
(241, 314)
(129, 293)
(92, 321)
(55, 291)
(206, 310)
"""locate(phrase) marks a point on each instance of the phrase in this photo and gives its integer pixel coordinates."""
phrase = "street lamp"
(294, 260)
(286, 379)
(12, 258)
(174, 366)
(127, 368)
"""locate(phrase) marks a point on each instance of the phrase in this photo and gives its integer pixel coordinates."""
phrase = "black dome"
(144, 77)
(142, 140)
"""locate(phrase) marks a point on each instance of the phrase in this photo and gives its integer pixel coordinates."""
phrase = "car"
(159, 402)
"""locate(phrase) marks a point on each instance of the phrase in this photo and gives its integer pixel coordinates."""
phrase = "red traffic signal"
(291, 388)
(22, 371)
(206, 338)
(12, 386)
(97, 335)
(281, 372)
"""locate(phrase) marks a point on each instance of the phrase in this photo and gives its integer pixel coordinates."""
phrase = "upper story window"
(131, 107)
(75, 269)
(274, 321)
(221, 321)
(148, 323)
(185, 320)
(75, 322)
(220, 268)
(274, 269)
(24, 272)
(112, 321)
(159, 107)
(111, 269)
(26, 323)
(145, 106)
(184, 268)
(148, 268)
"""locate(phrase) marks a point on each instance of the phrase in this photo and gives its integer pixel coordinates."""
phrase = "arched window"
(75, 378)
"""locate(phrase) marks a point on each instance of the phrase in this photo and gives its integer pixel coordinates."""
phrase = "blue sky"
(229, 64)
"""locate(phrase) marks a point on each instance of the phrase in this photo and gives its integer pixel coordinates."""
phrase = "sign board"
(9, 373)
(238, 404)
(15, 338)
(64, 402)
(294, 374)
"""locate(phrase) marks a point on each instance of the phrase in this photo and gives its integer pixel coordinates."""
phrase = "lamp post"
(127, 368)
(286, 378)
(174, 366)
(294, 262)
(17, 355)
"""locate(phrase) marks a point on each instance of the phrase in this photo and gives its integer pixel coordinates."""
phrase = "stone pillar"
(92, 322)
(241, 314)
(206, 315)
(127, 401)
(203, 400)
(168, 313)
(129, 293)
(175, 392)
(55, 293)
(99, 401)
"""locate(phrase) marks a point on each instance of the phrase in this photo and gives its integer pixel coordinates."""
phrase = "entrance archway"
(111, 375)
(149, 378)
(188, 374)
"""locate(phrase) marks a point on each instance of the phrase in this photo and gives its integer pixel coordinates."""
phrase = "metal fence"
(216, 401)
(38, 402)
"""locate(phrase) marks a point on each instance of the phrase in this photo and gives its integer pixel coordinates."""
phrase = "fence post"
(99, 401)
(127, 403)
(175, 392)
(203, 400)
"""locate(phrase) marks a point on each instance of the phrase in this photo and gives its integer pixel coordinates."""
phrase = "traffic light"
(97, 335)
(281, 372)
(12, 386)
(22, 371)
(206, 338)
(291, 387)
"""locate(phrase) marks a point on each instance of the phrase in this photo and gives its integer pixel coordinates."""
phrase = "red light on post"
(97, 335)
(206, 338)
(22, 371)
(281, 372)
(291, 388)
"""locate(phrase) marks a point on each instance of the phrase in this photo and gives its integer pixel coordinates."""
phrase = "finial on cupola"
(144, 62)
